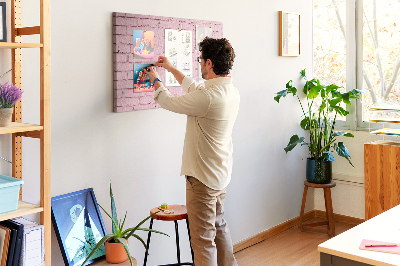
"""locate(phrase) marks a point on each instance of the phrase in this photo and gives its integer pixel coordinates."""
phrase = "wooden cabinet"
(382, 177)
(18, 129)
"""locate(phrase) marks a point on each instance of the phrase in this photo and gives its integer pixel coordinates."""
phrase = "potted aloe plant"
(9, 95)
(324, 105)
(116, 243)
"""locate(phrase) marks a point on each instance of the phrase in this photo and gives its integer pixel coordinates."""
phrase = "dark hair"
(220, 52)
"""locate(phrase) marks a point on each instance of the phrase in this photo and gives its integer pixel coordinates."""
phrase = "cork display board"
(138, 41)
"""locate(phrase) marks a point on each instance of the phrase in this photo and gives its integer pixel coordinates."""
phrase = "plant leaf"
(338, 133)
(333, 102)
(327, 156)
(305, 123)
(331, 87)
(152, 230)
(280, 94)
(113, 211)
(343, 151)
(313, 92)
(126, 247)
(294, 140)
(122, 225)
(102, 240)
(346, 98)
(133, 229)
(141, 240)
(349, 135)
(115, 223)
(303, 73)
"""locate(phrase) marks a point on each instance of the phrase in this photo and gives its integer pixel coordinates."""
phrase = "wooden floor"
(290, 247)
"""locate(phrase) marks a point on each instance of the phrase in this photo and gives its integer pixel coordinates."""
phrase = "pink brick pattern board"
(125, 99)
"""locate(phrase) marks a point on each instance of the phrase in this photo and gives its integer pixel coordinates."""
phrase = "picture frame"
(3, 22)
(78, 225)
(289, 34)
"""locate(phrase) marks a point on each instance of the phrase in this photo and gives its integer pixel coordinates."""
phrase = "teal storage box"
(9, 193)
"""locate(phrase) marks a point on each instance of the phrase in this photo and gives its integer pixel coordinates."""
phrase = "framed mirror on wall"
(289, 34)
(3, 28)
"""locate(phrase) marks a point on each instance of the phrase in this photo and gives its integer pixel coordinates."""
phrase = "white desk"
(344, 248)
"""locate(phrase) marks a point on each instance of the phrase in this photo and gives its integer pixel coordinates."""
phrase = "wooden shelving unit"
(42, 131)
(8, 45)
(24, 208)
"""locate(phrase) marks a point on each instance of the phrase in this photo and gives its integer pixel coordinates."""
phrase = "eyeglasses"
(199, 59)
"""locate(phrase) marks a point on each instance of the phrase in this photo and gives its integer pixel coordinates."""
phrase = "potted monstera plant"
(324, 103)
(116, 243)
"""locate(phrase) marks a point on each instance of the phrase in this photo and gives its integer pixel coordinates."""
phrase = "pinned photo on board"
(143, 44)
(141, 81)
(201, 33)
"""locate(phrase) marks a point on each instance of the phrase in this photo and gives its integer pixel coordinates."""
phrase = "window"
(356, 45)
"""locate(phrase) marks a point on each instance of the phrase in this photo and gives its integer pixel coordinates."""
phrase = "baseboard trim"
(340, 218)
(289, 224)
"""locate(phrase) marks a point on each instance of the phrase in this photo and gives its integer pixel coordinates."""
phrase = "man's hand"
(152, 72)
(165, 63)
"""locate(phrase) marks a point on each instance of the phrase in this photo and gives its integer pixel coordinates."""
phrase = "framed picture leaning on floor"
(78, 226)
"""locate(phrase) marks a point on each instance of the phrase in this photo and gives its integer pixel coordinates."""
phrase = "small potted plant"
(324, 105)
(116, 243)
(9, 95)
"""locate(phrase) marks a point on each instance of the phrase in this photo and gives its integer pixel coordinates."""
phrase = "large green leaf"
(341, 111)
(294, 140)
(280, 94)
(346, 98)
(305, 123)
(343, 151)
(102, 240)
(334, 102)
(314, 92)
(355, 93)
(309, 85)
(331, 87)
(113, 211)
(327, 156)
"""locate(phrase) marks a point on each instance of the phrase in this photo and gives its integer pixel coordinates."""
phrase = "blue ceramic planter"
(319, 172)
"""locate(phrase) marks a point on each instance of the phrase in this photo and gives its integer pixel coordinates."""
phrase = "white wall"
(141, 151)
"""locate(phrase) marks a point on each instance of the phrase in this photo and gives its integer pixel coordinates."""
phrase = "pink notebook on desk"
(392, 249)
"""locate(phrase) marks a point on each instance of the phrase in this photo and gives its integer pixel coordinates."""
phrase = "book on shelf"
(11, 245)
(32, 250)
(13, 260)
(5, 234)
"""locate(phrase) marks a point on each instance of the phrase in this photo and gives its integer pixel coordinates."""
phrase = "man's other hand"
(165, 63)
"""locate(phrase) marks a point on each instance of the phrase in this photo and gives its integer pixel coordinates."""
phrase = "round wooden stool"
(328, 207)
(179, 213)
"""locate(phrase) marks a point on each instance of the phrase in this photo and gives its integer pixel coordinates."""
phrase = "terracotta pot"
(5, 116)
(115, 252)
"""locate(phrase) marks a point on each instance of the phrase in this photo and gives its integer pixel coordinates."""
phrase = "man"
(207, 155)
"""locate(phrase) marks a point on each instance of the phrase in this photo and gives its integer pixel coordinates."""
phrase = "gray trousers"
(210, 236)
